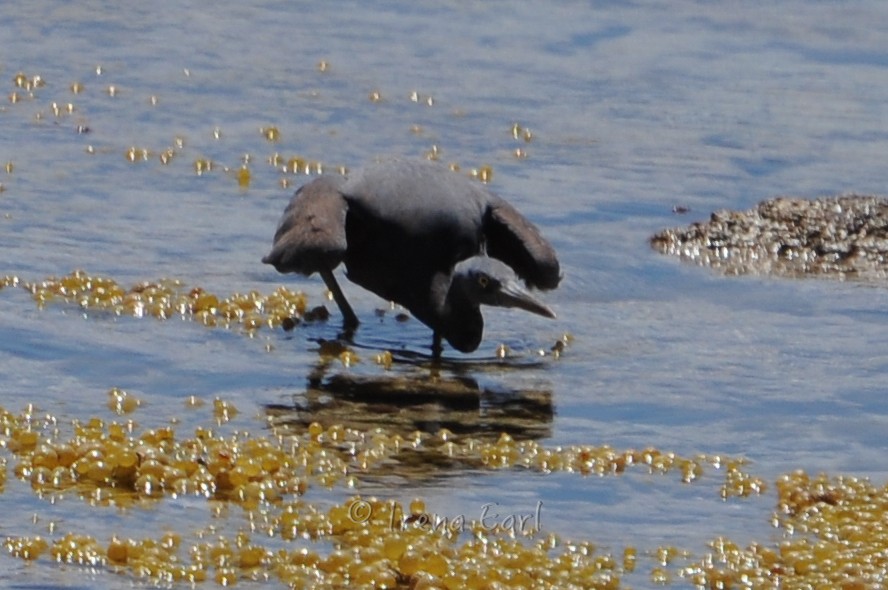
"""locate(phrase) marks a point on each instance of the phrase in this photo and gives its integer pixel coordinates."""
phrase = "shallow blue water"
(633, 109)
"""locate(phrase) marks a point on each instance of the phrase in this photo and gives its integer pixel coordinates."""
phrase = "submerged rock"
(841, 237)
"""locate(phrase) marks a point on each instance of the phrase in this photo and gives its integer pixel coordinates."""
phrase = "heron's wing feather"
(311, 234)
(510, 237)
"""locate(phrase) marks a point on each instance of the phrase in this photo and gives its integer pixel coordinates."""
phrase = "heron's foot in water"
(437, 349)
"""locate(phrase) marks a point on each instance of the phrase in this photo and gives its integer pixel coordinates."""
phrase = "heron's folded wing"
(311, 234)
(510, 237)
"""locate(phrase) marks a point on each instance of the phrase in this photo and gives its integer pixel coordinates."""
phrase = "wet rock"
(841, 237)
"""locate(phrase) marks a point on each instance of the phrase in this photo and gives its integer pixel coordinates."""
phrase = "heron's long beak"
(513, 294)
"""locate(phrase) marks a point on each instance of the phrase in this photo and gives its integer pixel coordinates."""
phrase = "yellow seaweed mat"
(834, 528)
(167, 298)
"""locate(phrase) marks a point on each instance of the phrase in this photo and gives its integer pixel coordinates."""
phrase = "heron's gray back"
(418, 196)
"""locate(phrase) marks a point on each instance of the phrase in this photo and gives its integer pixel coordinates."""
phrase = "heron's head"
(488, 281)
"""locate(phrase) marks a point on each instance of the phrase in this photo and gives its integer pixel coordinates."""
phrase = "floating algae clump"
(842, 237)
(168, 298)
(835, 536)
(359, 542)
(116, 463)
(831, 531)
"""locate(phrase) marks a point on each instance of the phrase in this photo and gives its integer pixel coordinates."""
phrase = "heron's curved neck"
(459, 318)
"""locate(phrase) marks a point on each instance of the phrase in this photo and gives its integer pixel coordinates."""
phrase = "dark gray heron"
(418, 234)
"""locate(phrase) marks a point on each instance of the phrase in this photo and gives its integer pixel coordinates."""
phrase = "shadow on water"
(402, 405)
(425, 395)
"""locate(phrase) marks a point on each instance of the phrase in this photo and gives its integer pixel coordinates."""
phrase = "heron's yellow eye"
(482, 281)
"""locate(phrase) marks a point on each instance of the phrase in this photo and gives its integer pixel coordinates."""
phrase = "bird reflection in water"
(429, 398)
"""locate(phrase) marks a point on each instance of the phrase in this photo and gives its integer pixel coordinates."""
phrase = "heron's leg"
(436, 345)
(349, 319)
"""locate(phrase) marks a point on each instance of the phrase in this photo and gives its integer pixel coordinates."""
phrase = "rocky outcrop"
(841, 237)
